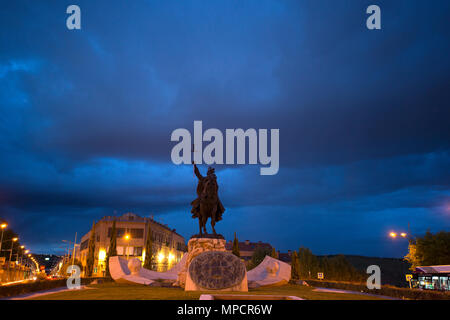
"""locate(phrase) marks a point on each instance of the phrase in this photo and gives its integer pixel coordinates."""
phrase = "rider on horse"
(210, 175)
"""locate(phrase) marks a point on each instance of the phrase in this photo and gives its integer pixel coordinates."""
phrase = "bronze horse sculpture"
(207, 205)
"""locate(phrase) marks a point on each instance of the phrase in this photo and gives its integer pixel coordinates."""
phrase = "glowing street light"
(160, 257)
(394, 234)
(127, 239)
(13, 240)
(3, 226)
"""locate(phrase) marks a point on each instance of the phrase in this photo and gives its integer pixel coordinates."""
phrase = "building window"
(84, 244)
(129, 251)
(119, 251)
(137, 251)
(137, 233)
(120, 232)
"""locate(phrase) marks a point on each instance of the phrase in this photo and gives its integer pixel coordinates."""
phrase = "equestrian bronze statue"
(207, 205)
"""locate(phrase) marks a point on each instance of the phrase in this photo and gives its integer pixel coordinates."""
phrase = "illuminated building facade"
(168, 246)
(432, 278)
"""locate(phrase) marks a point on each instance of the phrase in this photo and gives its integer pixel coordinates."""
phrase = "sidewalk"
(42, 293)
(353, 292)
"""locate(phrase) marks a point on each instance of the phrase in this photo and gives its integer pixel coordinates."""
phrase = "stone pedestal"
(195, 247)
(213, 271)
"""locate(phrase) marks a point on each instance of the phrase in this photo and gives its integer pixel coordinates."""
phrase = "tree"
(308, 263)
(295, 274)
(274, 254)
(91, 253)
(235, 249)
(63, 270)
(431, 249)
(258, 256)
(112, 250)
(148, 249)
(324, 267)
(338, 268)
(412, 257)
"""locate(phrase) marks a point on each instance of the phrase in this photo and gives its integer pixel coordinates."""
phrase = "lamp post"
(74, 248)
(3, 226)
(13, 240)
(21, 254)
(127, 239)
(29, 261)
(10, 257)
(22, 260)
(409, 236)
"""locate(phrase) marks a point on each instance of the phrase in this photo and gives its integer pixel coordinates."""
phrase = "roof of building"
(248, 246)
(285, 257)
(132, 217)
(433, 269)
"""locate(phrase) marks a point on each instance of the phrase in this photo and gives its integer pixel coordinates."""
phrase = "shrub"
(391, 291)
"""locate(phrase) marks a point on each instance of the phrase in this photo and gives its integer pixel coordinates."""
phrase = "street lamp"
(10, 255)
(12, 247)
(127, 239)
(3, 226)
(74, 248)
(394, 235)
(21, 255)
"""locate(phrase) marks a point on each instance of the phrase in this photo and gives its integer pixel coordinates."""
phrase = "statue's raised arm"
(197, 172)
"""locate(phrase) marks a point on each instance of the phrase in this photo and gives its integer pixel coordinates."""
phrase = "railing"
(13, 272)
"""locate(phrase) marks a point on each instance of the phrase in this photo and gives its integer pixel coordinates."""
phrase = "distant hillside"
(393, 270)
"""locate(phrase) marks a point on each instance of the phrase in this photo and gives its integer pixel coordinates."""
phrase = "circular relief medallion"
(216, 270)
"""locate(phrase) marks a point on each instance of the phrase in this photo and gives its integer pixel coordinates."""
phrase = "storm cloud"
(364, 118)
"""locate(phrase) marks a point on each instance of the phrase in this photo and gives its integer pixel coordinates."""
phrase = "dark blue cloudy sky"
(364, 118)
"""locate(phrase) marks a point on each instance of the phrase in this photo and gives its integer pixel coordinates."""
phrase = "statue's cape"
(196, 203)
(196, 209)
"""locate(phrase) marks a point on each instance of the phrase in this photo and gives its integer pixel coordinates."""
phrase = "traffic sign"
(408, 278)
(320, 275)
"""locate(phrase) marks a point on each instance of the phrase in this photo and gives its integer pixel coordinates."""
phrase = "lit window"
(101, 255)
